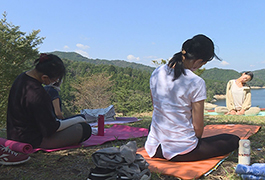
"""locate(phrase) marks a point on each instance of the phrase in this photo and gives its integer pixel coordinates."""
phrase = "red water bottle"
(100, 125)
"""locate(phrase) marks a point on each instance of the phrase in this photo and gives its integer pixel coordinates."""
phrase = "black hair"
(250, 74)
(199, 47)
(50, 65)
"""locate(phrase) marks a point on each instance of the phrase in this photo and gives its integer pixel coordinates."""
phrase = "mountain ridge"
(121, 63)
(215, 74)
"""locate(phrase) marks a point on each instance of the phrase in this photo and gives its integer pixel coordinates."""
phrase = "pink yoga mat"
(116, 132)
(119, 120)
(17, 146)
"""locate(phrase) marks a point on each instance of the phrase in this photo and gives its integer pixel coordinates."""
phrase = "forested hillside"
(220, 74)
(259, 78)
(91, 86)
(260, 74)
(224, 75)
(120, 63)
(134, 78)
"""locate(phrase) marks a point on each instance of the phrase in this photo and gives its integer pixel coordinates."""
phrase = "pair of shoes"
(9, 157)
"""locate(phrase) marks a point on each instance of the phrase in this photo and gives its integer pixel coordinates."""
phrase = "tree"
(17, 49)
(120, 100)
(92, 92)
(159, 63)
(130, 101)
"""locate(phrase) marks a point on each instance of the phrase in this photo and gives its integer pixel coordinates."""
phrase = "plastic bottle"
(244, 152)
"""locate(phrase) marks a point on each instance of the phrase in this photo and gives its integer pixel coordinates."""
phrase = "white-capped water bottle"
(244, 152)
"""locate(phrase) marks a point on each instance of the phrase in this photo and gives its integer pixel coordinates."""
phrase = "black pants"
(207, 148)
(71, 135)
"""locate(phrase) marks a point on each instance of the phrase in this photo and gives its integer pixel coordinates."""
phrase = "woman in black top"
(30, 115)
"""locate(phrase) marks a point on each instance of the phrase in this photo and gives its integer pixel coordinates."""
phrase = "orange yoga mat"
(195, 169)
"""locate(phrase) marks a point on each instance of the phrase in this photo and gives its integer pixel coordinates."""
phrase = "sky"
(144, 30)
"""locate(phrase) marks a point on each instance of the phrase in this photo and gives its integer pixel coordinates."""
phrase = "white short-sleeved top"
(172, 118)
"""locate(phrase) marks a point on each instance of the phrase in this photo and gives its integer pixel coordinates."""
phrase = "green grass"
(75, 163)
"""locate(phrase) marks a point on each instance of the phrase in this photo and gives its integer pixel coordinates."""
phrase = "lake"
(257, 98)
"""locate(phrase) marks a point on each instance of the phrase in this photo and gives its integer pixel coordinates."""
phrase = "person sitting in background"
(53, 91)
(238, 96)
(30, 115)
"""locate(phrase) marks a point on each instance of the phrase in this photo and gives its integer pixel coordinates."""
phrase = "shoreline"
(219, 96)
(257, 87)
(223, 96)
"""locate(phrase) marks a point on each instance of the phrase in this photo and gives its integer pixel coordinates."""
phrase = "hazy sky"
(144, 30)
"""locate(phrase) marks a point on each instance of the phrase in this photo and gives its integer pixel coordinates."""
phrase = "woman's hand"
(241, 112)
(232, 112)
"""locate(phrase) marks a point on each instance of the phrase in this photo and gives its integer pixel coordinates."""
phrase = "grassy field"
(76, 163)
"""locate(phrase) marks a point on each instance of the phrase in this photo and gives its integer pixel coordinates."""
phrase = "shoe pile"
(119, 163)
(9, 157)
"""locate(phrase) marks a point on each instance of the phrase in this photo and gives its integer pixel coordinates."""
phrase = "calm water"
(257, 98)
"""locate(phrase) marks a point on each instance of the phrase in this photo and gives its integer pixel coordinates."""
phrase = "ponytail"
(199, 47)
(176, 62)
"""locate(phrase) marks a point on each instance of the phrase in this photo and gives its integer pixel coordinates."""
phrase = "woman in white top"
(178, 100)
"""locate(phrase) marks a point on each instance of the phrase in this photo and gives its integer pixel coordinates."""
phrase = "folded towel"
(252, 177)
(112, 157)
(257, 169)
(123, 160)
(259, 165)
